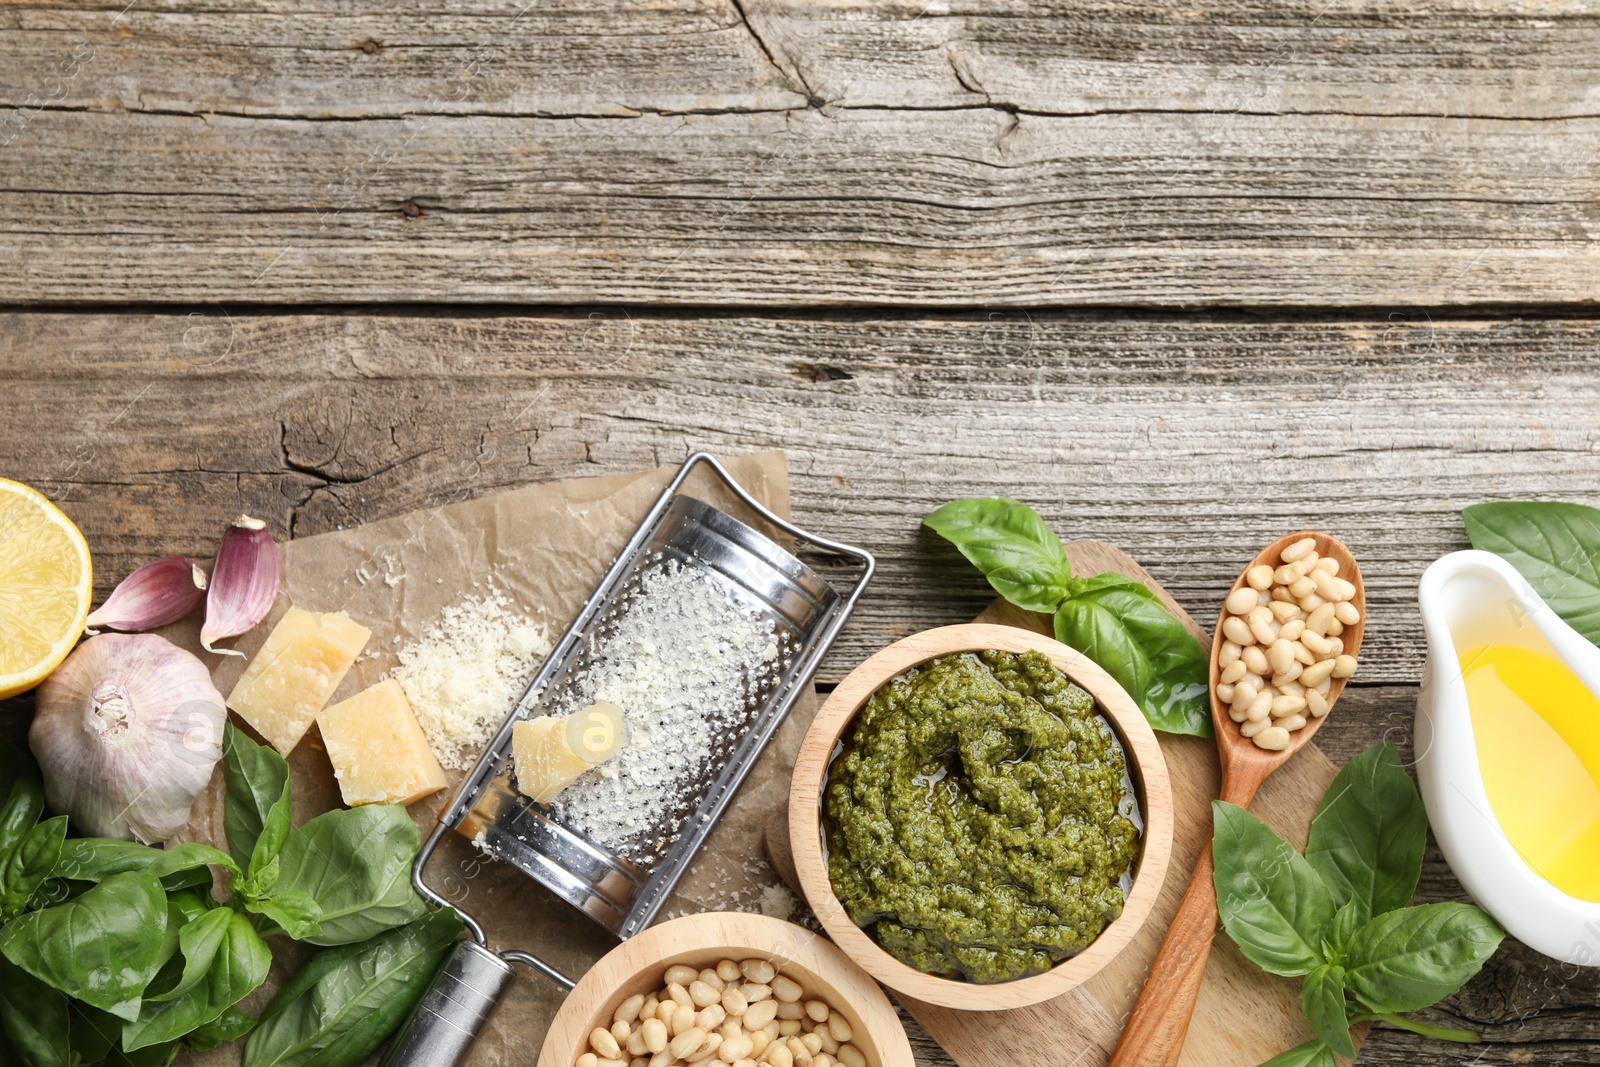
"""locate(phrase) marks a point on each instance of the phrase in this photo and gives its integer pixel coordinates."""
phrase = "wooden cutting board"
(1244, 1016)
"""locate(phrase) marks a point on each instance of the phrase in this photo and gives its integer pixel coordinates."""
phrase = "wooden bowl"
(1147, 767)
(637, 966)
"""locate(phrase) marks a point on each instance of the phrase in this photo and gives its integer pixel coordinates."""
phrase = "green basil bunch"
(1115, 621)
(1555, 546)
(1337, 918)
(117, 952)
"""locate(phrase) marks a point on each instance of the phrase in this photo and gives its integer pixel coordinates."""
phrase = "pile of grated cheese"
(682, 662)
(467, 671)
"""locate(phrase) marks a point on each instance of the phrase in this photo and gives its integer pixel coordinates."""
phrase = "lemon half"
(45, 585)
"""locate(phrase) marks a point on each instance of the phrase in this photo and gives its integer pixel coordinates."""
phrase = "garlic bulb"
(127, 731)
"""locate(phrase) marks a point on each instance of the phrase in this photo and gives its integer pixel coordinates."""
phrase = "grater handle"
(443, 1025)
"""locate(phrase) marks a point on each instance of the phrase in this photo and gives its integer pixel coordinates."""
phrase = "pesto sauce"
(977, 818)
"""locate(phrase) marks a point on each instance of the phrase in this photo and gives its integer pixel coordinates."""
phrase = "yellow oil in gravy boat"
(1508, 753)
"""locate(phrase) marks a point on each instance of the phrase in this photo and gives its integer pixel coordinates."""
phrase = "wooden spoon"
(1160, 1020)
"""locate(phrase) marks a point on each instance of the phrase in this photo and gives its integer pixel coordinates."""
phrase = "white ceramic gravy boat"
(1470, 599)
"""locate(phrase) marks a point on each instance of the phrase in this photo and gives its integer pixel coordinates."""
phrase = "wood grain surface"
(1189, 441)
(725, 152)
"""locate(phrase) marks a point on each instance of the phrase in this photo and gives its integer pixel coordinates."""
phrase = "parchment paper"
(545, 547)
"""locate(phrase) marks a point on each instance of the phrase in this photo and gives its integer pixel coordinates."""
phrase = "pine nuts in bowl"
(726, 989)
(1287, 638)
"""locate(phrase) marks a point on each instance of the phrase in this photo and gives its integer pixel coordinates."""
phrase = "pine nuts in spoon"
(1282, 645)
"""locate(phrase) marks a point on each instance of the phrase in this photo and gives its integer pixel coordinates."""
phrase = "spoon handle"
(1160, 1020)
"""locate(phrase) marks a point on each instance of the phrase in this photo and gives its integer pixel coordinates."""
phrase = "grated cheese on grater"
(466, 672)
(682, 662)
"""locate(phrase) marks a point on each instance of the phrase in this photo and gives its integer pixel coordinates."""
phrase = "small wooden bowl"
(1147, 767)
(637, 966)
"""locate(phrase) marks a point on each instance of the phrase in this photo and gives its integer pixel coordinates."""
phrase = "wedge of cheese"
(549, 753)
(304, 660)
(379, 753)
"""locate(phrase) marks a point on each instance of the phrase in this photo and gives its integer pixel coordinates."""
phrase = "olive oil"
(1537, 729)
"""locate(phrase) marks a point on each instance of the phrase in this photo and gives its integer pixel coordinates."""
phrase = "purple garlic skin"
(244, 583)
(160, 592)
(127, 732)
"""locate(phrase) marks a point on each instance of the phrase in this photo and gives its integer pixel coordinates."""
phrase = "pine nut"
(1327, 563)
(754, 991)
(1347, 589)
(1283, 707)
(1337, 644)
(788, 1027)
(811, 1041)
(1292, 689)
(728, 971)
(679, 995)
(1317, 703)
(1237, 630)
(1344, 666)
(839, 1027)
(1301, 588)
(760, 1014)
(1290, 675)
(604, 1044)
(649, 1009)
(1263, 631)
(703, 995)
(1292, 722)
(1327, 585)
(710, 1017)
(733, 1002)
(1241, 600)
(1244, 694)
(851, 1056)
(655, 1034)
(790, 1010)
(1281, 654)
(759, 972)
(679, 974)
(1284, 611)
(1259, 576)
(1318, 644)
(1300, 549)
(1254, 726)
(1346, 613)
(1293, 628)
(1225, 692)
(1228, 654)
(621, 1031)
(682, 1020)
(1319, 619)
(629, 1009)
(1236, 714)
(1303, 655)
(1281, 595)
(786, 989)
(1254, 660)
(737, 1048)
(710, 977)
(1259, 708)
(1273, 739)
(636, 1045)
(588, 1059)
(779, 1056)
(1317, 672)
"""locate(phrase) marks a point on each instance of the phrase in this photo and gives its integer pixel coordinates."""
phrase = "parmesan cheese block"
(378, 751)
(550, 753)
(296, 671)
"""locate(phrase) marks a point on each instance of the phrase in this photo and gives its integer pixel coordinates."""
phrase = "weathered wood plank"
(1187, 442)
(813, 153)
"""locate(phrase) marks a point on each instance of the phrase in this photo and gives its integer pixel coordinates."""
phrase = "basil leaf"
(35, 1017)
(1555, 546)
(21, 797)
(1409, 959)
(1011, 545)
(94, 859)
(255, 817)
(356, 1003)
(1311, 1054)
(94, 1033)
(102, 948)
(224, 961)
(309, 974)
(30, 863)
(1273, 904)
(1124, 627)
(231, 1025)
(1322, 1001)
(1367, 837)
(356, 865)
(1350, 917)
(289, 912)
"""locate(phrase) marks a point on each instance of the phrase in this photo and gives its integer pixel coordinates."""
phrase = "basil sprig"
(1555, 546)
(116, 952)
(1115, 621)
(1337, 916)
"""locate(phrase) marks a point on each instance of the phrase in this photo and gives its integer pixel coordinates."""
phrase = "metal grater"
(623, 888)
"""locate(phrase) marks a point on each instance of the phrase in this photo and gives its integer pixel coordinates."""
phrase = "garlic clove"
(244, 582)
(157, 593)
(127, 731)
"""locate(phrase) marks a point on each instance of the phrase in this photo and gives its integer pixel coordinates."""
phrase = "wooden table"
(1181, 277)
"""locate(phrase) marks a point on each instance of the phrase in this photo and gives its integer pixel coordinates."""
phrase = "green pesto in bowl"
(979, 819)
